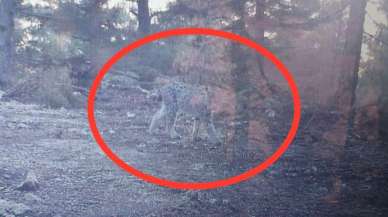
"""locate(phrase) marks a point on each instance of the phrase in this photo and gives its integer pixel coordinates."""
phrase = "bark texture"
(7, 10)
(144, 17)
(350, 63)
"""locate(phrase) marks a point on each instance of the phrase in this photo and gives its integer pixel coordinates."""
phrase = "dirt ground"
(77, 179)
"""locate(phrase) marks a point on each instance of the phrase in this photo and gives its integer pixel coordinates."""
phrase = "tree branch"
(155, 14)
(376, 38)
(37, 15)
(317, 21)
(134, 12)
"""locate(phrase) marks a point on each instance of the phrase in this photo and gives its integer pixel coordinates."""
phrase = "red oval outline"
(196, 185)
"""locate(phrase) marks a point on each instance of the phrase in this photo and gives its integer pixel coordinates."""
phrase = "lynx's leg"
(157, 118)
(211, 130)
(171, 122)
(228, 143)
(194, 135)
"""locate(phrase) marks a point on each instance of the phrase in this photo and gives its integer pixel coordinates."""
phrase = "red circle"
(196, 185)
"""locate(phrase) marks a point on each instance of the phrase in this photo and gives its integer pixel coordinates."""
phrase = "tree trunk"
(345, 97)
(241, 84)
(256, 27)
(383, 121)
(144, 18)
(350, 63)
(7, 10)
(259, 17)
(94, 33)
(264, 84)
(353, 48)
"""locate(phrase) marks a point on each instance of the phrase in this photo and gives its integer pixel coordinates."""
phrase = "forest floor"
(77, 179)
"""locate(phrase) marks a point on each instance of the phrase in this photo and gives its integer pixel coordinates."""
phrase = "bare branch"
(37, 15)
(156, 14)
(376, 38)
(134, 12)
(317, 21)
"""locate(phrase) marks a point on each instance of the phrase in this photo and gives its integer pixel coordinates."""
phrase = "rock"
(212, 200)
(15, 126)
(205, 197)
(199, 166)
(141, 145)
(84, 131)
(323, 190)
(200, 196)
(10, 208)
(21, 126)
(77, 93)
(225, 201)
(58, 134)
(7, 176)
(11, 126)
(30, 197)
(130, 115)
(154, 141)
(192, 195)
(30, 183)
(76, 132)
(270, 113)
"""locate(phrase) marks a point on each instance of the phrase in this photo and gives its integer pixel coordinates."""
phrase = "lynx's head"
(154, 95)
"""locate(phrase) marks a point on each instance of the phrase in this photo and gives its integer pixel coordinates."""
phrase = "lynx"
(180, 98)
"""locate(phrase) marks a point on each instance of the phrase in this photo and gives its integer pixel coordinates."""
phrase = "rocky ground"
(51, 166)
